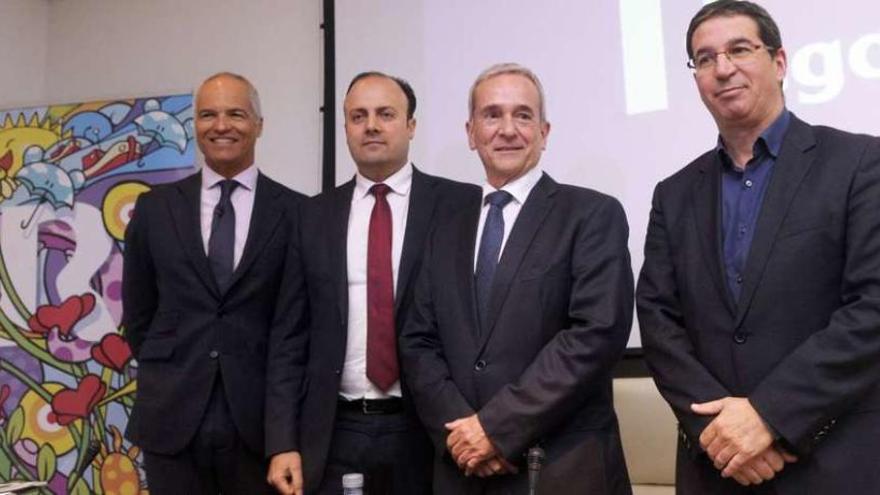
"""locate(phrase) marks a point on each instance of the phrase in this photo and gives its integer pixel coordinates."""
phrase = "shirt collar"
(399, 182)
(520, 187)
(770, 141)
(247, 178)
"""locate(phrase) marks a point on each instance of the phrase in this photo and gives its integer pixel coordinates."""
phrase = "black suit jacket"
(323, 252)
(184, 331)
(559, 317)
(803, 342)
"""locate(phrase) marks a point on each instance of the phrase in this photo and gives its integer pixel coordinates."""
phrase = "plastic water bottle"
(353, 484)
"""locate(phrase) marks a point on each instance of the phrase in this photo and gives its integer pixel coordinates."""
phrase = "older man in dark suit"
(207, 309)
(523, 307)
(361, 249)
(759, 299)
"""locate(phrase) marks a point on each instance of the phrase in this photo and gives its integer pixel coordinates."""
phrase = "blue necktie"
(221, 245)
(490, 248)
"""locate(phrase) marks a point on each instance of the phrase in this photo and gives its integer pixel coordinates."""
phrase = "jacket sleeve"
(836, 366)
(436, 396)
(287, 352)
(139, 290)
(680, 376)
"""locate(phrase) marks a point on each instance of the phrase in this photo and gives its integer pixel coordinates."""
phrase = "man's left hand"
(468, 443)
(736, 435)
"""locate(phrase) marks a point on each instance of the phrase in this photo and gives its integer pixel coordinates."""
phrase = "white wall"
(24, 42)
(99, 49)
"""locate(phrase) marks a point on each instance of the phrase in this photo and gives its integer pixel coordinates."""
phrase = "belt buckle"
(366, 409)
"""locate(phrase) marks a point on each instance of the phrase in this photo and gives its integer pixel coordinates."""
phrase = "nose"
(724, 68)
(221, 123)
(372, 123)
(508, 128)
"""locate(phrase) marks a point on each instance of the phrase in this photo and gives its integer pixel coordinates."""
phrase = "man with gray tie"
(207, 308)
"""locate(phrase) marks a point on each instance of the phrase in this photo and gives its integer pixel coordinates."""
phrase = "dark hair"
(767, 28)
(404, 86)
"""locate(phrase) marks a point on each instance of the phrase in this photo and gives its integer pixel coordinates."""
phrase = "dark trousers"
(390, 450)
(216, 461)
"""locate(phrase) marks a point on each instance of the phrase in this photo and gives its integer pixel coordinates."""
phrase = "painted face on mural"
(377, 129)
(227, 126)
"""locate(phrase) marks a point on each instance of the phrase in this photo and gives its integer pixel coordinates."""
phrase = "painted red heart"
(70, 405)
(64, 316)
(4, 394)
(113, 352)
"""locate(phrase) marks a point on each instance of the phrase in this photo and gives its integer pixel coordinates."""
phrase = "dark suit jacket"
(323, 251)
(559, 318)
(184, 331)
(803, 343)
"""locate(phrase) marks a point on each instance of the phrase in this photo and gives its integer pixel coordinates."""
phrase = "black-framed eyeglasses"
(737, 54)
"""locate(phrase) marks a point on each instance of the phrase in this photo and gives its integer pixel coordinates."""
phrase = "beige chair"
(649, 433)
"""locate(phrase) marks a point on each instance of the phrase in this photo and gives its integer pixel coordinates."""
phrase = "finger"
(774, 459)
(788, 457)
(764, 470)
(720, 453)
(508, 467)
(722, 459)
(752, 475)
(709, 434)
(708, 408)
(735, 464)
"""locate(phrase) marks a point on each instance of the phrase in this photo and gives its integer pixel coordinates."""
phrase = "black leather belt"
(392, 405)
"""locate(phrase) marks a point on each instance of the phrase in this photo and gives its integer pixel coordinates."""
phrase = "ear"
(780, 59)
(260, 127)
(469, 128)
(411, 128)
(545, 131)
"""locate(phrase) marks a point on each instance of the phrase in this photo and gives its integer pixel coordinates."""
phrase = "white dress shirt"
(242, 200)
(354, 384)
(520, 189)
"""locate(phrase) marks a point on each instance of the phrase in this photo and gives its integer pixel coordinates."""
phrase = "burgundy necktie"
(382, 367)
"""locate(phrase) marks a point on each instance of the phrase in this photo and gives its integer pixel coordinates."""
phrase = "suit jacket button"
(213, 354)
(480, 365)
(740, 338)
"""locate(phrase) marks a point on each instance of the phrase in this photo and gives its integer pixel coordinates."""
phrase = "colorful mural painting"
(69, 176)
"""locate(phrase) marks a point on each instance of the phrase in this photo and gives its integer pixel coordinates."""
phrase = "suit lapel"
(707, 214)
(264, 219)
(187, 222)
(338, 236)
(529, 220)
(794, 161)
(421, 208)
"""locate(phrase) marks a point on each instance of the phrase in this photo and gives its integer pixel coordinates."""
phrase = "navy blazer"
(803, 342)
(184, 331)
(559, 317)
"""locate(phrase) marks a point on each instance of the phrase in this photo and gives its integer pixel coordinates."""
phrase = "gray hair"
(253, 95)
(509, 68)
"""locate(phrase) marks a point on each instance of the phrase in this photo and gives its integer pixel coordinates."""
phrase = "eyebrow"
(732, 42)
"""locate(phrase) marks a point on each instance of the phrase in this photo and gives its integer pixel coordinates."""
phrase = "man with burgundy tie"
(523, 307)
(361, 249)
(208, 296)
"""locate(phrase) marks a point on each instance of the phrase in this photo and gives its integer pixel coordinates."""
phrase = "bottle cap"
(353, 480)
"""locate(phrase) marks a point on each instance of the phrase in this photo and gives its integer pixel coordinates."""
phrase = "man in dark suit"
(361, 249)
(759, 299)
(523, 306)
(207, 309)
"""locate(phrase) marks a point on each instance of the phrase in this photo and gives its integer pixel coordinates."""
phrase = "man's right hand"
(285, 473)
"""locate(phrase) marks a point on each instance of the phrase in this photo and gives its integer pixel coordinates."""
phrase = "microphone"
(534, 460)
